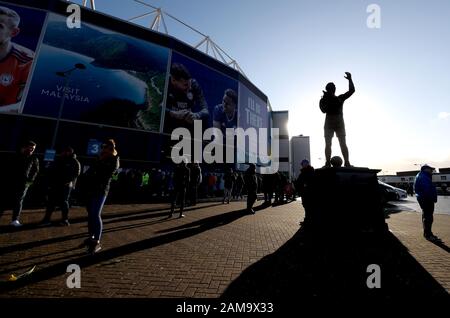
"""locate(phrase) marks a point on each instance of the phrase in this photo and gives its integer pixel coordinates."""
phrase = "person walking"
(229, 180)
(267, 185)
(180, 182)
(62, 176)
(97, 180)
(239, 186)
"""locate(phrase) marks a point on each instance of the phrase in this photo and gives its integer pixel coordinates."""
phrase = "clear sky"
(400, 114)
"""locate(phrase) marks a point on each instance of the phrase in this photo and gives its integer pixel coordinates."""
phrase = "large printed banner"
(253, 113)
(95, 75)
(20, 30)
(196, 92)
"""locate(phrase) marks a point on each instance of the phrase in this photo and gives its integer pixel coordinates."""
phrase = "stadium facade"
(111, 79)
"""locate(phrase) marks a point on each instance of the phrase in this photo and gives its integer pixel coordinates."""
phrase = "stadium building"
(64, 85)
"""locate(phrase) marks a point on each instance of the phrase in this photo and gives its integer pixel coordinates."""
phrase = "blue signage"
(94, 147)
(49, 155)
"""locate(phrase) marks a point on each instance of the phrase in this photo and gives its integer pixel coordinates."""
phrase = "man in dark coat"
(62, 176)
(238, 186)
(180, 182)
(252, 187)
(303, 187)
(20, 175)
(194, 182)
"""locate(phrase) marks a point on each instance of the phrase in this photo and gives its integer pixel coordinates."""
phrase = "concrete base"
(346, 200)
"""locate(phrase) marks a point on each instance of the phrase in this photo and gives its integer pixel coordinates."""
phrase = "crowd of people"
(181, 186)
(155, 184)
(69, 183)
(63, 174)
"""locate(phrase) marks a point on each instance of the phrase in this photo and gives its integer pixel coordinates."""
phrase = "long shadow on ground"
(214, 220)
(84, 261)
(108, 218)
(317, 267)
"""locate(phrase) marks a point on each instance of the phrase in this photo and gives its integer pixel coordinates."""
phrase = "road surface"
(410, 204)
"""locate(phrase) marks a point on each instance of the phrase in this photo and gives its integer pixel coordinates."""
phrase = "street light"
(66, 75)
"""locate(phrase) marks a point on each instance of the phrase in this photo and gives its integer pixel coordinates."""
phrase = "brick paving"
(406, 226)
(147, 255)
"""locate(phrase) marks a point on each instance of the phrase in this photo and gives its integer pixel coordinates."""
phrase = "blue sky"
(400, 114)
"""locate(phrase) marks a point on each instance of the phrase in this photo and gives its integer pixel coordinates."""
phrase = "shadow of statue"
(313, 266)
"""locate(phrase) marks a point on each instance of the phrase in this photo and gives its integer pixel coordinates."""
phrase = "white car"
(391, 193)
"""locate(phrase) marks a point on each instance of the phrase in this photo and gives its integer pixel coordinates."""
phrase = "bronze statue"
(332, 105)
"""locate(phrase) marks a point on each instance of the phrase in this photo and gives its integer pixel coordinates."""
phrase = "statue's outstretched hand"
(348, 75)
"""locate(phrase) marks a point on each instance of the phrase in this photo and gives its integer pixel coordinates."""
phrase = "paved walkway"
(435, 258)
(147, 255)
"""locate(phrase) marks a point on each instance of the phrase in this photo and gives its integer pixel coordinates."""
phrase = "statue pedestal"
(346, 200)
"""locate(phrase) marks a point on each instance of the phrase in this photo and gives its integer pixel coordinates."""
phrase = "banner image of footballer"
(196, 92)
(20, 30)
(105, 77)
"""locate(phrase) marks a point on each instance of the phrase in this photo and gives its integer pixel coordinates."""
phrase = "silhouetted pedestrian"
(252, 187)
(62, 175)
(426, 196)
(267, 184)
(194, 182)
(280, 182)
(229, 180)
(20, 174)
(239, 186)
(97, 181)
(410, 189)
(303, 188)
(180, 182)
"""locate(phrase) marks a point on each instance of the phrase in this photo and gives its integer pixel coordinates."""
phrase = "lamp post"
(65, 75)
